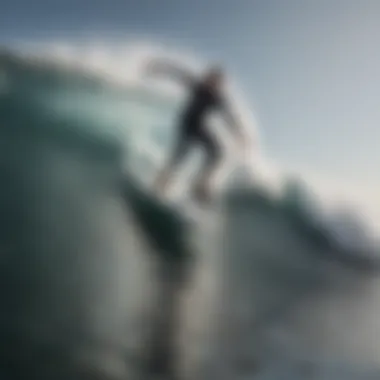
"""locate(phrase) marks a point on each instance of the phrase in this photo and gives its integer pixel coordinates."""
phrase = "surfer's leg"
(181, 148)
(203, 185)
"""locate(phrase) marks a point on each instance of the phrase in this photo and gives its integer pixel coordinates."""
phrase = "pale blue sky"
(311, 68)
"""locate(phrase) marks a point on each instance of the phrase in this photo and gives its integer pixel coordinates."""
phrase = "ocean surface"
(100, 279)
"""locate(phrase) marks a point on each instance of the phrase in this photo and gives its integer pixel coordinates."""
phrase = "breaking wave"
(85, 247)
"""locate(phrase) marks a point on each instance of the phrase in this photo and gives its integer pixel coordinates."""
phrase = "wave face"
(95, 271)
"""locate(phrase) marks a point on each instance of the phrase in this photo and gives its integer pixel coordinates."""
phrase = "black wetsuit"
(192, 128)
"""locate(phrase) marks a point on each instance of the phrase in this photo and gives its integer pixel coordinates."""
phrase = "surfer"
(206, 94)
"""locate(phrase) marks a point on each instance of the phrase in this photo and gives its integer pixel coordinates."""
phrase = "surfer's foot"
(201, 194)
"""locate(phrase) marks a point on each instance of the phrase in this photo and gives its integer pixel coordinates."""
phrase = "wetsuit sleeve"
(173, 70)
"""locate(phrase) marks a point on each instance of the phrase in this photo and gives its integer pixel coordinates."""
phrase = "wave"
(86, 247)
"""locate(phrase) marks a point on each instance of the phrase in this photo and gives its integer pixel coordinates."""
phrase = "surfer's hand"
(150, 67)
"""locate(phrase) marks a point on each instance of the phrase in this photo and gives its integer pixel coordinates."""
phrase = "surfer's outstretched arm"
(171, 69)
(232, 122)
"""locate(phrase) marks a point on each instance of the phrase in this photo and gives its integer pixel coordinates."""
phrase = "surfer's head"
(214, 77)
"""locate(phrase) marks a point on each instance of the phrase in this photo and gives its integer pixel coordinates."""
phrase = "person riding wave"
(206, 94)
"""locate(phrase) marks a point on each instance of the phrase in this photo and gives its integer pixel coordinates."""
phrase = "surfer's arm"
(171, 69)
(232, 121)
